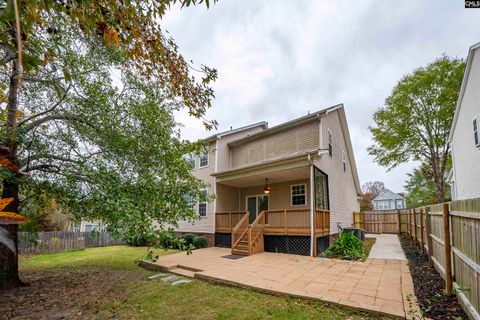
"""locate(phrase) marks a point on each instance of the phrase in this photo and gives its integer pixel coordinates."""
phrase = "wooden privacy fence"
(62, 241)
(450, 235)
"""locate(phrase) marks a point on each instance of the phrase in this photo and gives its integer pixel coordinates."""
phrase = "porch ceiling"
(274, 176)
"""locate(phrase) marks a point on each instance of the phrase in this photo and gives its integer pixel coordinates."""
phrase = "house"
(281, 189)
(464, 139)
(389, 200)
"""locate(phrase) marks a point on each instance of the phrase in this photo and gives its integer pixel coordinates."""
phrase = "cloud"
(277, 60)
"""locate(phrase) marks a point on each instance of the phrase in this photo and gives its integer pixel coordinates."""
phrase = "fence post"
(399, 222)
(415, 224)
(421, 230)
(410, 223)
(448, 248)
(428, 231)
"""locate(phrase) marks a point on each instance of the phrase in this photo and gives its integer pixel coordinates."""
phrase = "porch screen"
(321, 190)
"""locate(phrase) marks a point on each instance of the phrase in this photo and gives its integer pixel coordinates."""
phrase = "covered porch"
(281, 207)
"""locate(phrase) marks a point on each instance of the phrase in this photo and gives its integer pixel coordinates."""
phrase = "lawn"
(106, 283)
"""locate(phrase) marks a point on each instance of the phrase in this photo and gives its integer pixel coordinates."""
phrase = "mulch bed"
(429, 285)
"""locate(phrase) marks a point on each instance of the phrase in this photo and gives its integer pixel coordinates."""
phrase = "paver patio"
(379, 285)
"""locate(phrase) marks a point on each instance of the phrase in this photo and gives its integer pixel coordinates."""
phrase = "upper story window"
(383, 205)
(475, 132)
(299, 194)
(203, 159)
(330, 144)
(344, 161)
(190, 158)
(189, 200)
(202, 206)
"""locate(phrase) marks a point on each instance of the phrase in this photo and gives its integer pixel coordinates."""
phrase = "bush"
(169, 240)
(188, 239)
(200, 242)
(347, 246)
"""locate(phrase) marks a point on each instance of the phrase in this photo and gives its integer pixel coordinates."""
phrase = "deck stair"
(247, 239)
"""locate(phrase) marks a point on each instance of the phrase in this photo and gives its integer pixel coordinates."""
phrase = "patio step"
(240, 252)
(182, 272)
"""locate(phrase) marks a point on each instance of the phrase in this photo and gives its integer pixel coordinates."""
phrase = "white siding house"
(388, 200)
(465, 134)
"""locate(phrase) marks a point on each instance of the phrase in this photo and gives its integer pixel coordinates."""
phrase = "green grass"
(127, 294)
(115, 257)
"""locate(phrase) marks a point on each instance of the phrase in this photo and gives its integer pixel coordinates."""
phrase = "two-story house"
(464, 137)
(280, 189)
(388, 200)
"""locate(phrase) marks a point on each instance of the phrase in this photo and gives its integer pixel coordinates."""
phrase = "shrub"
(347, 246)
(169, 240)
(200, 242)
(188, 239)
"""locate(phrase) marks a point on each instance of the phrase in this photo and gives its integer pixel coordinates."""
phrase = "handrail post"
(448, 248)
(285, 221)
(230, 219)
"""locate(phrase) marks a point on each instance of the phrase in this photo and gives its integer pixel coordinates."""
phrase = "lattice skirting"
(322, 244)
(287, 244)
(223, 240)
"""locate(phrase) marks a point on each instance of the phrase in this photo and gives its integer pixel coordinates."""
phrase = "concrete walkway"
(387, 246)
(378, 285)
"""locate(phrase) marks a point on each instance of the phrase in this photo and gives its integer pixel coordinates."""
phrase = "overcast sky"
(277, 60)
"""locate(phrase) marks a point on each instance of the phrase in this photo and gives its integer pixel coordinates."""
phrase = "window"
(90, 227)
(189, 200)
(203, 160)
(190, 158)
(298, 194)
(344, 162)
(475, 132)
(321, 190)
(202, 206)
(330, 144)
(383, 205)
(399, 204)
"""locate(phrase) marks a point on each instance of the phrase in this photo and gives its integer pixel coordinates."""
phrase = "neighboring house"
(389, 200)
(87, 226)
(465, 133)
(272, 183)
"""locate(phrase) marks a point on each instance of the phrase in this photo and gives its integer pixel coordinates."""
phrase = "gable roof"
(387, 194)
(468, 67)
(219, 135)
(310, 117)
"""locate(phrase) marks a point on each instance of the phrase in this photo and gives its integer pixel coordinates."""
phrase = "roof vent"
(230, 127)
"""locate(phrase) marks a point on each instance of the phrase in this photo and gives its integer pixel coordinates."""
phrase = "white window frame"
(304, 195)
(200, 160)
(190, 157)
(203, 202)
(190, 201)
(383, 205)
(476, 132)
(330, 142)
(344, 161)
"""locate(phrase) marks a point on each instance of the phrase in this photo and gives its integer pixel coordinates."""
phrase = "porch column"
(312, 206)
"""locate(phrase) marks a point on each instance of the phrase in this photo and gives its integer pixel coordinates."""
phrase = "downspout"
(312, 226)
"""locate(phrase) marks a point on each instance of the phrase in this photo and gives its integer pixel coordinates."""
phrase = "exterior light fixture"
(267, 188)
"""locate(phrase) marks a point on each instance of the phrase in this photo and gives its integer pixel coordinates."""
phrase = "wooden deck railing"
(255, 234)
(295, 222)
(240, 229)
(226, 221)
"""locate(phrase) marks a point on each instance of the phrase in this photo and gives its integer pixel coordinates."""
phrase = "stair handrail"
(259, 222)
(237, 227)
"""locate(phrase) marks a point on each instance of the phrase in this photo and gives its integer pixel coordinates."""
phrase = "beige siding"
(342, 191)
(276, 145)
(204, 224)
(227, 198)
(466, 156)
(279, 197)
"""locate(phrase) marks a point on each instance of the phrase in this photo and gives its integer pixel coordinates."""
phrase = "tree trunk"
(439, 186)
(9, 260)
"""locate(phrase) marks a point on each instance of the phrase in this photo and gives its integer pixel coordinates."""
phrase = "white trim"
(330, 135)
(475, 119)
(200, 160)
(305, 195)
(206, 204)
(312, 227)
(215, 181)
